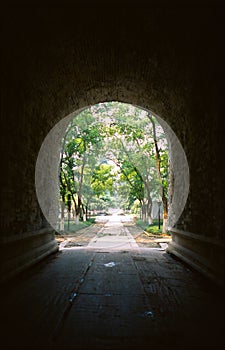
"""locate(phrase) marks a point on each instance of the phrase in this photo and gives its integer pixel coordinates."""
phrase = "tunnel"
(58, 60)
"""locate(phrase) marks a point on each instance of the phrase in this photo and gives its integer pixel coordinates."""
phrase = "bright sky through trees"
(113, 154)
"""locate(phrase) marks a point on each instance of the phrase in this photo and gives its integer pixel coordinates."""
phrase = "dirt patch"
(83, 237)
(80, 238)
(144, 239)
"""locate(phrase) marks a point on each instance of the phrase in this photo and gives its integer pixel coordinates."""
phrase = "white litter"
(163, 246)
(110, 264)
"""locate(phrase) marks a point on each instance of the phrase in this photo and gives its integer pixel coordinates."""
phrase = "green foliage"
(130, 174)
(77, 227)
(135, 208)
(153, 228)
(108, 158)
(102, 180)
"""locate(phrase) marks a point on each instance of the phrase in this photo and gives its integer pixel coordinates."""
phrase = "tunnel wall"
(56, 61)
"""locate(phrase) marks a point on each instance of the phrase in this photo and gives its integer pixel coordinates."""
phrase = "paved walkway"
(119, 296)
(113, 235)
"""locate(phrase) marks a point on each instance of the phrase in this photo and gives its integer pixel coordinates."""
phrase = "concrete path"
(102, 298)
(113, 235)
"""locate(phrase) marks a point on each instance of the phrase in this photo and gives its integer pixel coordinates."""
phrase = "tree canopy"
(113, 153)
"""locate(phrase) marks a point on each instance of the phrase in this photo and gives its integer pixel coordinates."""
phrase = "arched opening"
(109, 148)
(57, 61)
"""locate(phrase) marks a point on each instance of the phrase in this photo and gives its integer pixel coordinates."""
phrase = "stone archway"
(51, 70)
(47, 172)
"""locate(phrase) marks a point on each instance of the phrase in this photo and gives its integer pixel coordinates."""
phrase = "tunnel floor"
(115, 297)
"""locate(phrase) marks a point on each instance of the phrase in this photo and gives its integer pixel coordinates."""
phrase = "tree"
(81, 141)
(103, 180)
(161, 157)
(130, 143)
(128, 137)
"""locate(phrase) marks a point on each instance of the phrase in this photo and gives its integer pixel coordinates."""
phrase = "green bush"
(91, 220)
(153, 228)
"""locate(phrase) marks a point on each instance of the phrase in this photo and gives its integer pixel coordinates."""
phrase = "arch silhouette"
(47, 171)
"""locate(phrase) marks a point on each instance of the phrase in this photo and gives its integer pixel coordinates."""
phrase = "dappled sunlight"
(113, 165)
(116, 232)
(113, 155)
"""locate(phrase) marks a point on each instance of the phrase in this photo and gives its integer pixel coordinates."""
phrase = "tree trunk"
(165, 224)
(86, 208)
(68, 227)
(62, 216)
(79, 209)
(144, 212)
(84, 213)
(141, 217)
(149, 211)
(158, 165)
(165, 212)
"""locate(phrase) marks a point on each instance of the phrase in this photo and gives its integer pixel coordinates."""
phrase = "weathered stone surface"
(75, 300)
(56, 61)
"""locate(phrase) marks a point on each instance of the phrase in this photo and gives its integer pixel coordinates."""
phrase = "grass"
(73, 227)
(153, 228)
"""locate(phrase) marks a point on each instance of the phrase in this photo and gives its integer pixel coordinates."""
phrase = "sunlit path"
(114, 235)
